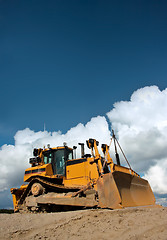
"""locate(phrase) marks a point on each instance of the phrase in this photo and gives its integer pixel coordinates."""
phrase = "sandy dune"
(136, 223)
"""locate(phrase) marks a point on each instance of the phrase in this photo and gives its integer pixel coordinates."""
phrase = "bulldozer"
(58, 181)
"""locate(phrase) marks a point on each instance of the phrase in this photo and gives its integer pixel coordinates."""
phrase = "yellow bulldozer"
(58, 181)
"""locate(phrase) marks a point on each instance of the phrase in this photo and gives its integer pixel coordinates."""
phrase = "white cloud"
(157, 176)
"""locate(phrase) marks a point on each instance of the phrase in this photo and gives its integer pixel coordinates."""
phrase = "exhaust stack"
(82, 149)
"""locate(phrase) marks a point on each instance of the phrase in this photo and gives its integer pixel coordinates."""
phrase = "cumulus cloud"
(140, 125)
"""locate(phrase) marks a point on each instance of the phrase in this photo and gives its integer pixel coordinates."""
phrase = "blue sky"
(63, 62)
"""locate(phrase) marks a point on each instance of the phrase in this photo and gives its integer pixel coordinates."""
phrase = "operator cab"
(58, 157)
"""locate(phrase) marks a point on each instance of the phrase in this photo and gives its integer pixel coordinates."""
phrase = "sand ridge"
(132, 223)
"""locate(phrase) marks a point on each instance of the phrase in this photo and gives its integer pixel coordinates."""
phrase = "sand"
(133, 223)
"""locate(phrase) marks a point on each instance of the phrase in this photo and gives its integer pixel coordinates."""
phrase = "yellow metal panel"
(77, 173)
(30, 172)
(93, 173)
(77, 182)
(76, 170)
(81, 173)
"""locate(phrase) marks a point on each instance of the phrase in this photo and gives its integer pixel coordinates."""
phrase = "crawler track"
(48, 186)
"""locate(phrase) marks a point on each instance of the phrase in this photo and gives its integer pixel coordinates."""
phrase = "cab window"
(59, 162)
(47, 157)
(58, 158)
(70, 157)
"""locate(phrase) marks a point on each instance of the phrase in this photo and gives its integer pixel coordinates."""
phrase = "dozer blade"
(119, 189)
(16, 194)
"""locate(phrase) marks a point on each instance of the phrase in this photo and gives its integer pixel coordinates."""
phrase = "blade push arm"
(92, 144)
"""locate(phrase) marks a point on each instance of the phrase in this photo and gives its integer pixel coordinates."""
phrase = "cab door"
(59, 162)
